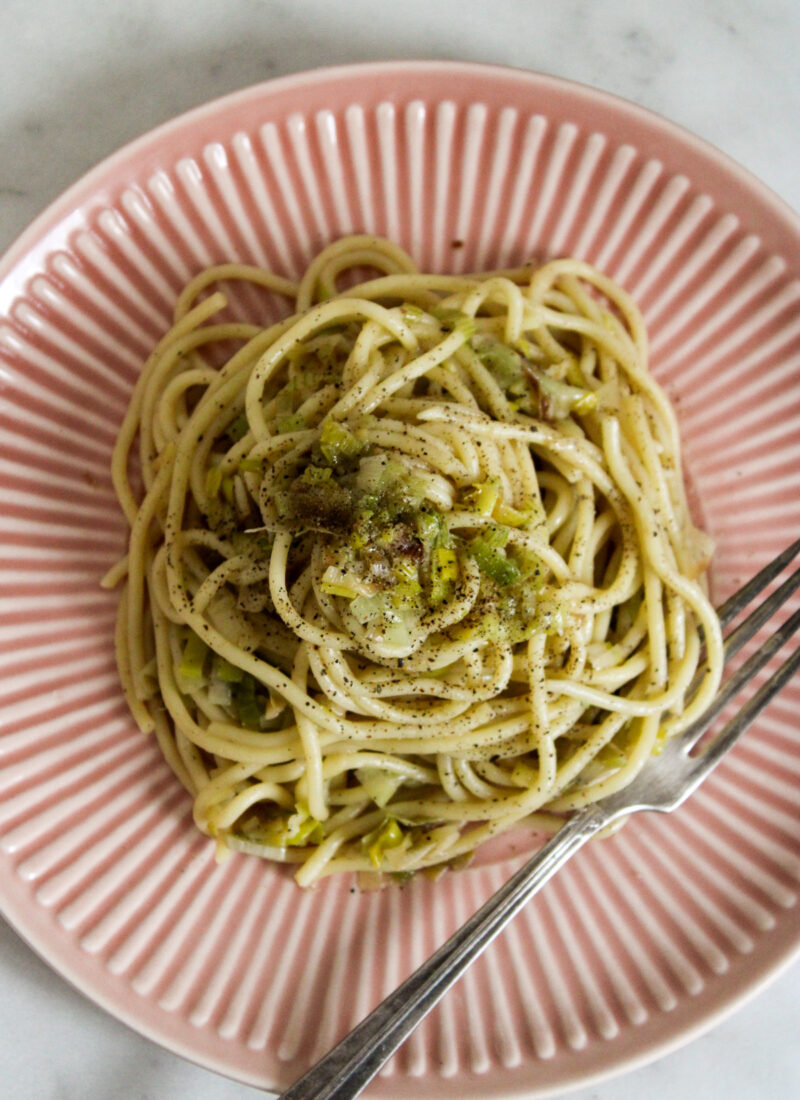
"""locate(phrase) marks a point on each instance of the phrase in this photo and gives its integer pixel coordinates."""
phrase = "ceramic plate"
(646, 937)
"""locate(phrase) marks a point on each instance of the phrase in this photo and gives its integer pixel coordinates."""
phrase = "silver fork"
(663, 784)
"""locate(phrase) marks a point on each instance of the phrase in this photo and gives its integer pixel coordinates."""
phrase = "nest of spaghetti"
(411, 567)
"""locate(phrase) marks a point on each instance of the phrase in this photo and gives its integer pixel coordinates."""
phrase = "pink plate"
(646, 937)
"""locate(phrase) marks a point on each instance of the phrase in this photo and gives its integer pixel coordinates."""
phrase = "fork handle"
(350, 1066)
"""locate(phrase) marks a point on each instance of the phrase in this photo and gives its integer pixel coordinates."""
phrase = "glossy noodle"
(410, 568)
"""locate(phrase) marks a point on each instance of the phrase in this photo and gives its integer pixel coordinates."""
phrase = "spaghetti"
(411, 567)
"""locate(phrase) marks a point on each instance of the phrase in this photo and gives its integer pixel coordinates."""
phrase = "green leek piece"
(428, 525)
(336, 583)
(227, 489)
(220, 694)
(526, 347)
(495, 536)
(228, 673)
(194, 658)
(530, 567)
(379, 784)
(550, 617)
(387, 835)
(366, 609)
(237, 429)
(342, 590)
(511, 517)
(406, 580)
(455, 320)
(251, 465)
(405, 570)
(302, 829)
(489, 553)
(405, 593)
(558, 399)
(317, 475)
(444, 574)
(292, 423)
(246, 703)
(660, 741)
(432, 529)
(284, 400)
(504, 363)
(398, 632)
(292, 831)
(483, 498)
(213, 481)
(611, 756)
(378, 475)
(337, 443)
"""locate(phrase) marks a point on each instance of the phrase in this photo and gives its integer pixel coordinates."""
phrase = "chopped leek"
(220, 694)
(495, 536)
(194, 658)
(611, 756)
(293, 831)
(366, 609)
(302, 829)
(432, 529)
(455, 320)
(247, 707)
(530, 567)
(379, 783)
(504, 363)
(238, 428)
(398, 633)
(228, 673)
(292, 423)
(406, 586)
(377, 474)
(251, 465)
(550, 617)
(213, 481)
(316, 475)
(387, 835)
(341, 590)
(444, 574)
(558, 399)
(337, 583)
(337, 443)
(489, 553)
(511, 517)
(483, 498)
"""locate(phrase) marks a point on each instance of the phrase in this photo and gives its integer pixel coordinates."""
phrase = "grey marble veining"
(79, 79)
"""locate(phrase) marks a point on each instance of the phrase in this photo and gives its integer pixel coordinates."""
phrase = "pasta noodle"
(413, 566)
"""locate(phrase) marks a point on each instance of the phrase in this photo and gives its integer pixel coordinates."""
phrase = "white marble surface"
(78, 79)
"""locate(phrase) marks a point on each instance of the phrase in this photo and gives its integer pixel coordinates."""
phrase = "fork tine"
(739, 600)
(743, 719)
(756, 619)
(733, 686)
